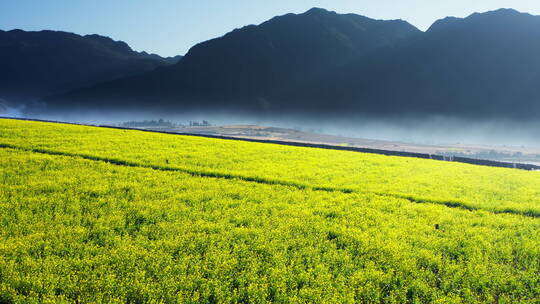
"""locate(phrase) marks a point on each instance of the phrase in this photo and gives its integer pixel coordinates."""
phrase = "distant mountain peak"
(501, 14)
(318, 10)
(502, 11)
(496, 18)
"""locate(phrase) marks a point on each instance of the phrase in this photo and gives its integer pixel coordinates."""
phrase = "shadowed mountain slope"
(320, 63)
(248, 68)
(486, 65)
(36, 64)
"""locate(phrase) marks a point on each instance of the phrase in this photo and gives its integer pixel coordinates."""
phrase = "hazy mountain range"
(38, 64)
(319, 62)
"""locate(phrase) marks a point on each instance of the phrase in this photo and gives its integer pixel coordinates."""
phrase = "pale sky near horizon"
(171, 27)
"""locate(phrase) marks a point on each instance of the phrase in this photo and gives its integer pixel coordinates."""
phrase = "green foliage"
(99, 216)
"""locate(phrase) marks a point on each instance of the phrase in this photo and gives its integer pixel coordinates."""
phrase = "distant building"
(204, 123)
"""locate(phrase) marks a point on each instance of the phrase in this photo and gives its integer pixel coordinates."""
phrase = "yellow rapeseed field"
(94, 215)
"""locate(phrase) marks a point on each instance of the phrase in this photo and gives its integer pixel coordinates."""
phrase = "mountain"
(37, 64)
(483, 66)
(249, 68)
(323, 63)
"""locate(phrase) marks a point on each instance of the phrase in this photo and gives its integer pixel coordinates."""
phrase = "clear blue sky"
(171, 27)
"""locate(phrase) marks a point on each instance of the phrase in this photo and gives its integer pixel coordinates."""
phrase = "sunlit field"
(102, 215)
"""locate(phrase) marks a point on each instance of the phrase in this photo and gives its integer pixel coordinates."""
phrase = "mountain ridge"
(39, 63)
(254, 63)
(322, 63)
(481, 66)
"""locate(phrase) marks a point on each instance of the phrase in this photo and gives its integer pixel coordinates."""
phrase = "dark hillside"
(483, 66)
(249, 67)
(36, 64)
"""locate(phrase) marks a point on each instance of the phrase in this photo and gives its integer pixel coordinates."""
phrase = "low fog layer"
(419, 130)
